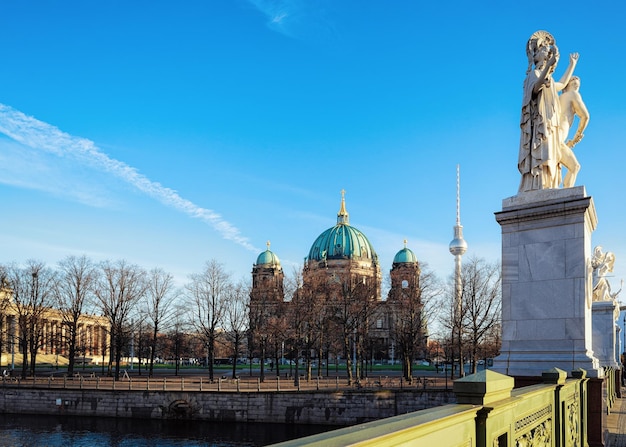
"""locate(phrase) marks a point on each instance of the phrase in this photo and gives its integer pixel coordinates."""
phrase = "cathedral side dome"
(268, 258)
(405, 256)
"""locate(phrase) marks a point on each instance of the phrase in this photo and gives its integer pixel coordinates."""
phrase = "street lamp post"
(132, 343)
(12, 353)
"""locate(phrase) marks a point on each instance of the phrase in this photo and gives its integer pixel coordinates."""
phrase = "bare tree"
(31, 289)
(474, 317)
(177, 341)
(410, 309)
(236, 319)
(73, 292)
(482, 301)
(310, 305)
(267, 330)
(352, 303)
(158, 307)
(120, 287)
(208, 293)
(296, 318)
(5, 301)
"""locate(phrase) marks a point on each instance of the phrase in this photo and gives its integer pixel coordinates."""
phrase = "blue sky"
(170, 133)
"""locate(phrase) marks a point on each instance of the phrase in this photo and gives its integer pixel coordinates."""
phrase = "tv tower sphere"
(458, 246)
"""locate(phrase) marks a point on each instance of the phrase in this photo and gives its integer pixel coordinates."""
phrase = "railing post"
(164, 385)
(581, 375)
(148, 384)
(97, 383)
(219, 384)
(258, 384)
(200, 383)
(182, 384)
(337, 382)
(238, 385)
(277, 383)
(64, 382)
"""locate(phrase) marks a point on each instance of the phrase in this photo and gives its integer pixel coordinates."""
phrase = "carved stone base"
(546, 282)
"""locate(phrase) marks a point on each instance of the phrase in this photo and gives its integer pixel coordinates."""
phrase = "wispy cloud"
(41, 136)
(299, 19)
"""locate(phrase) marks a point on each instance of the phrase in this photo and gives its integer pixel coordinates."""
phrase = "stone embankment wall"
(315, 407)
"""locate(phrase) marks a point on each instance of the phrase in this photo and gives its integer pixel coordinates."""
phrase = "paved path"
(616, 423)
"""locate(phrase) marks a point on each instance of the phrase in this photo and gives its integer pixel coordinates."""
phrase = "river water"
(64, 431)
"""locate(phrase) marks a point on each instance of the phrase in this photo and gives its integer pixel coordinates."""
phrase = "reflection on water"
(64, 431)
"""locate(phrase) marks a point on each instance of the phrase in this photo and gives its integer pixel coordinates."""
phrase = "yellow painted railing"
(489, 413)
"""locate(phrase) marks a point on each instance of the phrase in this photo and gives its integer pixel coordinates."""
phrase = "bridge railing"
(222, 383)
(489, 413)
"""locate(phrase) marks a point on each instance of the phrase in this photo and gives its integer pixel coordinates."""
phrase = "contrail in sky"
(39, 135)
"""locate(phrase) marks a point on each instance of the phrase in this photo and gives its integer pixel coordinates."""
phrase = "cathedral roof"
(268, 258)
(405, 256)
(342, 241)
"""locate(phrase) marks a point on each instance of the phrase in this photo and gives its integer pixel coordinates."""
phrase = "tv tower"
(458, 247)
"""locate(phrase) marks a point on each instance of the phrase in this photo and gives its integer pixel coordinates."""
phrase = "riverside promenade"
(327, 401)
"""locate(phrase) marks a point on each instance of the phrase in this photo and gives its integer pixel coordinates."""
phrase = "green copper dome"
(267, 257)
(342, 241)
(405, 256)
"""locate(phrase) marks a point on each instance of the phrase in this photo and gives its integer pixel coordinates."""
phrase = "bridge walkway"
(616, 423)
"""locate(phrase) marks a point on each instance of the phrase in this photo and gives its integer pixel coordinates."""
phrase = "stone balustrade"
(489, 413)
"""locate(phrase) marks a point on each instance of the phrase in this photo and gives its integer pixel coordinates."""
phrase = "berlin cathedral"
(337, 311)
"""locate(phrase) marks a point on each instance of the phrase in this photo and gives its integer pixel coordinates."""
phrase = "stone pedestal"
(546, 282)
(604, 314)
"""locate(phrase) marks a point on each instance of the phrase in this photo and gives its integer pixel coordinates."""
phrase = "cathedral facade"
(336, 310)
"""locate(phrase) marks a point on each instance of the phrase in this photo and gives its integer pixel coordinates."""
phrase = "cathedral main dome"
(342, 241)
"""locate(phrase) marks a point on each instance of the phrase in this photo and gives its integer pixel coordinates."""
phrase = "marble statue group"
(548, 111)
(602, 264)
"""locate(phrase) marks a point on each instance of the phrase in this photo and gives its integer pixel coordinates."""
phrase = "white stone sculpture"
(571, 105)
(541, 139)
(602, 264)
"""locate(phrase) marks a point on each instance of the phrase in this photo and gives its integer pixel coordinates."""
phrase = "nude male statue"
(571, 105)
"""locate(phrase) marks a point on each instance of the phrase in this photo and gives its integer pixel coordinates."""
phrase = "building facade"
(92, 333)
